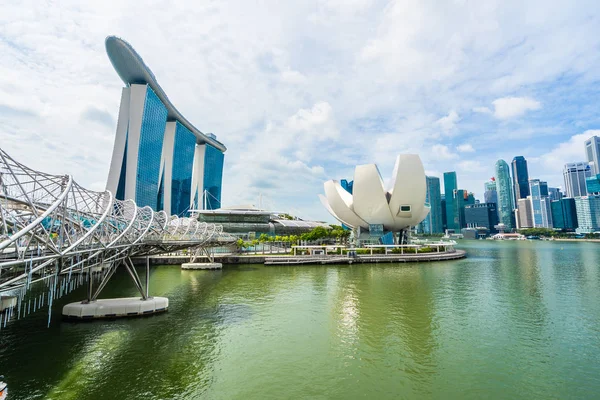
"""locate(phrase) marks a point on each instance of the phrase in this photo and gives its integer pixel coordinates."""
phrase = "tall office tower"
(540, 204)
(483, 215)
(490, 195)
(159, 158)
(525, 215)
(554, 193)
(520, 178)
(592, 152)
(588, 213)
(575, 175)
(450, 185)
(433, 221)
(564, 213)
(462, 198)
(505, 196)
(592, 184)
(444, 220)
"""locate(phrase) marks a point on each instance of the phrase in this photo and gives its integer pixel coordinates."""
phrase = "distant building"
(433, 222)
(592, 152)
(482, 215)
(450, 185)
(462, 198)
(505, 196)
(588, 213)
(554, 193)
(575, 175)
(444, 220)
(520, 178)
(592, 184)
(564, 213)
(524, 214)
(347, 185)
(490, 195)
(540, 204)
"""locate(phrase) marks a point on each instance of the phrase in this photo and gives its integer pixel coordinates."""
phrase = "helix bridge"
(52, 228)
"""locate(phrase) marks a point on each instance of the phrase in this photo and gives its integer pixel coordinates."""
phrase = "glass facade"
(592, 152)
(593, 184)
(505, 196)
(450, 185)
(588, 213)
(433, 221)
(347, 186)
(520, 178)
(490, 195)
(558, 219)
(482, 215)
(183, 163)
(213, 177)
(150, 150)
(575, 175)
(461, 199)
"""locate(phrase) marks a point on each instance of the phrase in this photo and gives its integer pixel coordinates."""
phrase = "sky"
(302, 91)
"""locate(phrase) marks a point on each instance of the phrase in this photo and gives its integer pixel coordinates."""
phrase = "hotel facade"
(159, 158)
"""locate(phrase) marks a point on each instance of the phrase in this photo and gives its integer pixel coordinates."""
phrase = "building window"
(405, 208)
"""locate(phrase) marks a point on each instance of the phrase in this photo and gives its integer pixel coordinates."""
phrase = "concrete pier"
(206, 265)
(116, 308)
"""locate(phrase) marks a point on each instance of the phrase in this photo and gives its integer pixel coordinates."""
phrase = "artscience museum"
(383, 213)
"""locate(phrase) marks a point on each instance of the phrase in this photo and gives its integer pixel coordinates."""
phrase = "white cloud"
(449, 121)
(572, 150)
(441, 152)
(465, 148)
(510, 107)
(482, 110)
(470, 166)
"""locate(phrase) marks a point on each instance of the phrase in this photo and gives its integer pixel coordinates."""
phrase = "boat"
(3, 388)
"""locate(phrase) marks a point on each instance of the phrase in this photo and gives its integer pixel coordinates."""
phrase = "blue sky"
(301, 92)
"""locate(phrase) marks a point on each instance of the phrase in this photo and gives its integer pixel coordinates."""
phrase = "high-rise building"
(540, 204)
(520, 179)
(159, 158)
(483, 215)
(347, 185)
(592, 184)
(564, 213)
(524, 214)
(433, 222)
(554, 193)
(450, 185)
(444, 220)
(462, 198)
(588, 213)
(575, 175)
(490, 195)
(592, 152)
(505, 196)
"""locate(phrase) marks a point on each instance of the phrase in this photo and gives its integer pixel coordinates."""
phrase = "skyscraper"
(592, 152)
(524, 213)
(490, 195)
(159, 158)
(433, 221)
(575, 175)
(564, 213)
(588, 213)
(462, 198)
(554, 193)
(540, 204)
(520, 178)
(450, 185)
(505, 196)
(592, 184)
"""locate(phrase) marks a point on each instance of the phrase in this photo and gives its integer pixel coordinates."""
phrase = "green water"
(513, 320)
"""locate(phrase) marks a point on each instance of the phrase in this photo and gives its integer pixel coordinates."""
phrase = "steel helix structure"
(51, 226)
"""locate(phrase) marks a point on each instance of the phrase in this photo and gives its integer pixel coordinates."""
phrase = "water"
(513, 320)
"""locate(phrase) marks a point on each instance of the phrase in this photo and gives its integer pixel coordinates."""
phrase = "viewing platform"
(115, 308)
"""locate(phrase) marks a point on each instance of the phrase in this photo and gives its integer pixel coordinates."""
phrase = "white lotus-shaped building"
(397, 208)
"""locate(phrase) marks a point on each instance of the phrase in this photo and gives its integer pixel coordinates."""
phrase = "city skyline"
(295, 108)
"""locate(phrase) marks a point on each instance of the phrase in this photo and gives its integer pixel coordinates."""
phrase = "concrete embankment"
(300, 260)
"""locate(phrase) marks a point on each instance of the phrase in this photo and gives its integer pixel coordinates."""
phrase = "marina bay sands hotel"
(159, 159)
